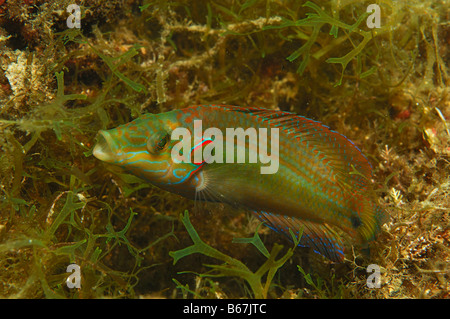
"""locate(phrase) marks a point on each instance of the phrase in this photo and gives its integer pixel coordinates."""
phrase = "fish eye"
(157, 142)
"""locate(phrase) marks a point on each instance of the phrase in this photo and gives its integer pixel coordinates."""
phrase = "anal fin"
(320, 237)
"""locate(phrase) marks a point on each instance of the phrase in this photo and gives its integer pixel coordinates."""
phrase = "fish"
(320, 184)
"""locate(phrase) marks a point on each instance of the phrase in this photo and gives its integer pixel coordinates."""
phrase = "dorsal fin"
(320, 237)
(352, 170)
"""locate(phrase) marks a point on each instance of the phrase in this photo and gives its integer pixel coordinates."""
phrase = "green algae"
(317, 21)
(233, 267)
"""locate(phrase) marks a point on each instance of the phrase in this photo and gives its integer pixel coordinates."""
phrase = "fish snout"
(104, 150)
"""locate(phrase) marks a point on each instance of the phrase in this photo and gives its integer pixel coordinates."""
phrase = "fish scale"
(322, 182)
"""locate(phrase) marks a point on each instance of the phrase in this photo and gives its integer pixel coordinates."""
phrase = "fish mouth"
(104, 149)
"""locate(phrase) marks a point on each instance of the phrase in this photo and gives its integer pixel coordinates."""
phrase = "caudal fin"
(371, 218)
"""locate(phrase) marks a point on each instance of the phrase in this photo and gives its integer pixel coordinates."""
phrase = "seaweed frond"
(233, 267)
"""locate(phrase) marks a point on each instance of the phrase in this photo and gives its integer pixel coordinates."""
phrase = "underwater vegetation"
(386, 89)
